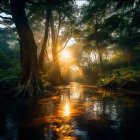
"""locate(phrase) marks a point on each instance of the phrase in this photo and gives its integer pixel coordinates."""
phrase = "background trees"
(23, 14)
(111, 27)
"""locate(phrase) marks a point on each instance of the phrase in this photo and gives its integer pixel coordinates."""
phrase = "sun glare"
(65, 54)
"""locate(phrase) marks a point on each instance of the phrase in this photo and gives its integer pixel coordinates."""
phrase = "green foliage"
(11, 73)
(4, 61)
(9, 70)
(9, 77)
(124, 77)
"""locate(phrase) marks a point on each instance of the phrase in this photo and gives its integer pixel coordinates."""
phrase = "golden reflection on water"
(76, 92)
(84, 114)
(67, 109)
(68, 138)
(61, 111)
(69, 101)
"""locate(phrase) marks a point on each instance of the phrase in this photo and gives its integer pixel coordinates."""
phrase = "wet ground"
(75, 112)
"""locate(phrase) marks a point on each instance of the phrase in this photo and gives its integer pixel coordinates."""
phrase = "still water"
(75, 112)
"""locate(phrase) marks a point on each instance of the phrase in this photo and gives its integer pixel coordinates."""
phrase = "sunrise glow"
(65, 54)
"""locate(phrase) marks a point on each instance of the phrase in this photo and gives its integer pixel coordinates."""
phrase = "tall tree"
(58, 16)
(45, 39)
(29, 79)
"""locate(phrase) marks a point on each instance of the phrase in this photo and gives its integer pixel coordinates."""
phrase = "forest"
(69, 69)
(57, 42)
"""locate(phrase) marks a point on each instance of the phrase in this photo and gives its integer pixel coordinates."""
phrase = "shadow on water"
(78, 112)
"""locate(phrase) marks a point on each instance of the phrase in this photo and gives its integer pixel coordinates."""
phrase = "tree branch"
(65, 42)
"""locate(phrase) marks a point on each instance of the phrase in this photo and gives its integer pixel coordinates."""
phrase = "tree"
(58, 15)
(29, 78)
(45, 39)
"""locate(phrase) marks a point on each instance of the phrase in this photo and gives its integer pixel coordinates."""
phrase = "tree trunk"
(130, 57)
(98, 48)
(101, 62)
(28, 83)
(57, 77)
(42, 53)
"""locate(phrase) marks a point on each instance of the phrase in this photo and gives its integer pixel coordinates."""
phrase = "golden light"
(76, 92)
(65, 54)
(67, 109)
(75, 68)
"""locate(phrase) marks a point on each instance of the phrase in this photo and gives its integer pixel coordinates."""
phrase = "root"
(29, 88)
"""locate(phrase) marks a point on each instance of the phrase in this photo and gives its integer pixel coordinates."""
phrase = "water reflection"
(76, 113)
(76, 92)
(67, 109)
(80, 111)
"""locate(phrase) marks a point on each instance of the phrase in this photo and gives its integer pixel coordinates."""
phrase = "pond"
(75, 112)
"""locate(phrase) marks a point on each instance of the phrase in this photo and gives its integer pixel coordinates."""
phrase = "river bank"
(124, 78)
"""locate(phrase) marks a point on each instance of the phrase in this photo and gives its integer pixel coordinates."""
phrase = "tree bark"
(42, 53)
(101, 62)
(28, 83)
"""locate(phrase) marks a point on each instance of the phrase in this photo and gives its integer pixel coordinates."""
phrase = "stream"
(75, 112)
